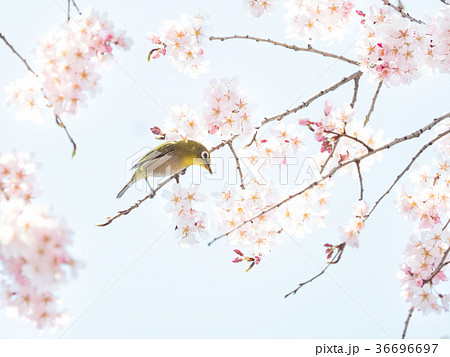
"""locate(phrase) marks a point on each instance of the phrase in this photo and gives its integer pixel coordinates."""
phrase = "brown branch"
(355, 92)
(330, 156)
(445, 2)
(76, 7)
(374, 99)
(369, 149)
(407, 321)
(285, 45)
(312, 99)
(230, 145)
(57, 118)
(361, 194)
(334, 260)
(423, 148)
(62, 125)
(402, 12)
(394, 142)
(68, 10)
(17, 53)
(138, 203)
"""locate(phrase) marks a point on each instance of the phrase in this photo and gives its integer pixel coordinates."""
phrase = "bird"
(169, 158)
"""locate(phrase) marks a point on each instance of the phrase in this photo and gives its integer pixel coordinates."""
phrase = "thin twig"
(423, 148)
(334, 260)
(369, 149)
(68, 10)
(252, 141)
(138, 203)
(285, 45)
(330, 156)
(230, 145)
(341, 165)
(374, 99)
(402, 12)
(407, 322)
(76, 7)
(312, 99)
(361, 195)
(445, 2)
(355, 92)
(62, 125)
(17, 53)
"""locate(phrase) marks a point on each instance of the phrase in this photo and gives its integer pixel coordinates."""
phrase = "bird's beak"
(208, 167)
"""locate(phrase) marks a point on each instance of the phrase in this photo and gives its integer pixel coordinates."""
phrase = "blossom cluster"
(67, 61)
(394, 50)
(190, 222)
(312, 20)
(429, 206)
(228, 110)
(183, 41)
(299, 216)
(33, 247)
(344, 138)
(351, 232)
(259, 7)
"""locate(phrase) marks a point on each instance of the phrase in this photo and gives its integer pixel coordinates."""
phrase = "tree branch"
(369, 149)
(138, 203)
(312, 99)
(402, 12)
(285, 45)
(407, 321)
(394, 142)
(374, 99)
(230, 145)
(76, 7)
(355, 92)
(334, 260)
(423, 148)
(361, 194)
(17, 54)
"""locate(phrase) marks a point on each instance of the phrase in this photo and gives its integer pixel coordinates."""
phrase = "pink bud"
(379, 44)
(237, 260)
(304, 122)
(238, 252)
(419, 282)
(360, 13)
(155, 130)
(327, 108)
(257, 259)
(213, 130)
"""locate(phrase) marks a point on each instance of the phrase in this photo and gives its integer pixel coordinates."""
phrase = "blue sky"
(137, 283)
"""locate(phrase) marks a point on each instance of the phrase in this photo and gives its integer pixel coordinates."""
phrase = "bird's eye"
(205, 154)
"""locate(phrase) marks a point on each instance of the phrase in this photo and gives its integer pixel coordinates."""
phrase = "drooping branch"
(17, 53)
(355, 92)
(400, 175)
(341, 165)
(402, 12)
(285, 45)
(368, 148)
(337, 256)
(76, 7)
(57, 118)
(361, 186)
(407, 321)
(372, 106)
(230, 145)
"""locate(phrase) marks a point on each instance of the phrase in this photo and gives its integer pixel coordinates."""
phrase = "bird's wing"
(156, 153)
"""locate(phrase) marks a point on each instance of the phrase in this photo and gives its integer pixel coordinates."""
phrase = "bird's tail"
(126, 187)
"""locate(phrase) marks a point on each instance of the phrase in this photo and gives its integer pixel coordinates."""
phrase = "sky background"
(137, 283)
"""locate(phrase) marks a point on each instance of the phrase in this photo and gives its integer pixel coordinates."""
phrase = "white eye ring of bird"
(205, 155)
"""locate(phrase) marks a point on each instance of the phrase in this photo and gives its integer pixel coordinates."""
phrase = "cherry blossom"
(228, 110)
(344, 138)
(183, 41)
(33, 247)
(190, 222)
(258, 7)
(351, 232)
(67, 62)
(392, 49)
(312, 20)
